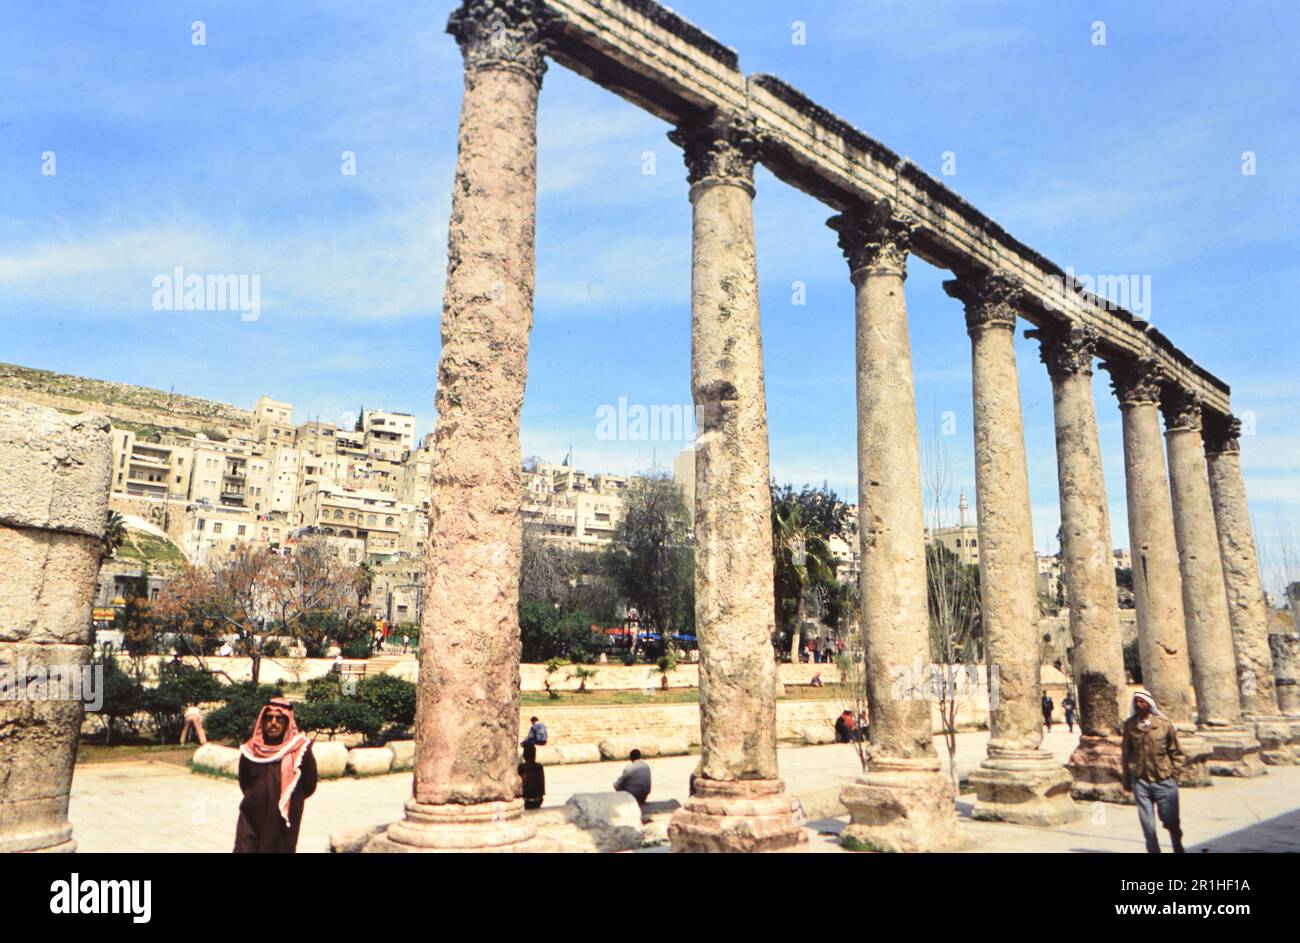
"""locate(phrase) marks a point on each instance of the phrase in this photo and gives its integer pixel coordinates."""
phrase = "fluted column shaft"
(1205, 604)
(1097, 656)
(1247, 610)
(1157, 585)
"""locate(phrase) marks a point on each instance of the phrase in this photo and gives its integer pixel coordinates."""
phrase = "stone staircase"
(380, 664)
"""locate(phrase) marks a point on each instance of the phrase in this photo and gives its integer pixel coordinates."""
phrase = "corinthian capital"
(724, 147)
(502, 34)
(1067, 351)
(1182, 409)
(991, 299)
(874, 238)
(1222, 433)
(1139, 380)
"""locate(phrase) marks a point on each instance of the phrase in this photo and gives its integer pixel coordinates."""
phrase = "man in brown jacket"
(1152, 762)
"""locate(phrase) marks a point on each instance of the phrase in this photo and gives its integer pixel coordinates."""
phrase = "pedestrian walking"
(1048, 707)
(1152, 761)
(1068, 706)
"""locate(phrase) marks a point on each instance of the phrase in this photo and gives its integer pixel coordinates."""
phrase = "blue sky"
(225, 158)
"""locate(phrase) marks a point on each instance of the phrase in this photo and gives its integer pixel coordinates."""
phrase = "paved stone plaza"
(160, 807)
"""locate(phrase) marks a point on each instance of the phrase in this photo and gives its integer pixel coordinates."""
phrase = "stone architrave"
(740, 803)
(1018, 781)
(55, 471)
(1205, 603)
(466, 733)
(903, 801)
(1097, 657)
(1247, 610)
(1157, 584)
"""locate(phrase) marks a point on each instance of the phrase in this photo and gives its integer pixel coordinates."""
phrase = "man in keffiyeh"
(276, 773)
(1152, 761)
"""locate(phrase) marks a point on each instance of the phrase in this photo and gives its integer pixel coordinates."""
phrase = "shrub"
(341, 714)
(123, 695)
(327, 688)
(194, 685)
(358, 647)
(234, 720)
(391, 698)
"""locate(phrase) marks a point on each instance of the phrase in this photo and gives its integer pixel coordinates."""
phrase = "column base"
(745, 815)
(481, 827)
(1196, 763)
(903, 805)
(1274, 735)
(1234, 751)
(46, 841)
(1024, 787)
(1097, 771)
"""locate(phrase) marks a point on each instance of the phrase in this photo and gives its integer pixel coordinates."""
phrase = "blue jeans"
(1158, 799)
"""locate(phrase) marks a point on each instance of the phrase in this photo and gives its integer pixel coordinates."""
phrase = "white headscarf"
(1146, 696)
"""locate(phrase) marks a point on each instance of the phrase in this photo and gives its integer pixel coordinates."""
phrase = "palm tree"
(803, 561)
(365, 581)
(114, 535)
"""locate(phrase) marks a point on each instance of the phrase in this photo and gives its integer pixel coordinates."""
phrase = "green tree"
(114, 534)
(650, 559)
(803, 566)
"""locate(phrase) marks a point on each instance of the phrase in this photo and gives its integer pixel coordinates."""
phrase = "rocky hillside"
(135, 407)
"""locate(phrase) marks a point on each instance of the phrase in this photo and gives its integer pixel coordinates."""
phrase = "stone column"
(54, 479)
(1286, 672)
(1157, 584)
(1247, 610)
(1019, 781)
(1205, 603)
(467, 719)
(903, 801)
(740, 804)
(1098, 657)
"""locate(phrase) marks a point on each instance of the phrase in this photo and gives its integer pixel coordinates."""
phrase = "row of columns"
(468, 703)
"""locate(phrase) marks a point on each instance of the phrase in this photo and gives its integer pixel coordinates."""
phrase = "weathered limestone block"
(903, 805)
(215, 758)
(1196, 764)
(1234, 751)
(549, 755)
(370, 761)
(816, 735)
(673, 746)
(54, 482)
(331, 759)
(579, 753)
(1023, 788)
(618, 748)
(1275, 747)
(739, 816)
(1097, 770)
(403, 754)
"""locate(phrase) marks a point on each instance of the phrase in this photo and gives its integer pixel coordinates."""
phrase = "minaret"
(962, 508)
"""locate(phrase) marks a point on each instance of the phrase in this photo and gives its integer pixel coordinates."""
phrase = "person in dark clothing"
(534, 778)
(844, 727)
(635, 778)
(277, 773)
(1048, 707)
(1068, 706)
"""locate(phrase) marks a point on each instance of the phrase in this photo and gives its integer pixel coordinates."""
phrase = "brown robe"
(261, 830)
